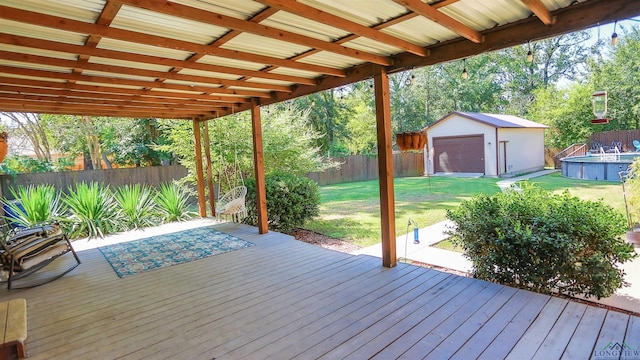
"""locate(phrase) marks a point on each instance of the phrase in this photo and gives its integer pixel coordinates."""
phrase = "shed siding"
(525, 149)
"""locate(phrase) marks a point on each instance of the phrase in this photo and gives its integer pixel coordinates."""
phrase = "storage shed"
(488, 144)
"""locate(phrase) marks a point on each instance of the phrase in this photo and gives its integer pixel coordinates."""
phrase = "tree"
(620, 76)
(567, 112)
(289, 144)
(33, 128)
(327, 115)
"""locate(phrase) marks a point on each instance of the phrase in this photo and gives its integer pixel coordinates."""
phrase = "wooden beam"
(202, 206)
(60, 23)
(207, 154)
(146, 59)
(385, 167)
(436, 16)
(324, 17)
(209, 17)
(258, 163)
(541, 11)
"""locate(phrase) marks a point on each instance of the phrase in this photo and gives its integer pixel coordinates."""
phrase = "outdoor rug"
(135, 257)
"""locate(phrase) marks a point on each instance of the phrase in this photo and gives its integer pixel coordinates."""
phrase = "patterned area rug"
(135, 257)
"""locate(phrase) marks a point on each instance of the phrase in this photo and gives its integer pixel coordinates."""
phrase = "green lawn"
(351, 211)
(610, 192)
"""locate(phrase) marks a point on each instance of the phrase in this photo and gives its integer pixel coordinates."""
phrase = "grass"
(351, 211)
(610, 192)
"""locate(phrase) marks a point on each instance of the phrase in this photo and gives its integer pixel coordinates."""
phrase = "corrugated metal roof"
(230, 51)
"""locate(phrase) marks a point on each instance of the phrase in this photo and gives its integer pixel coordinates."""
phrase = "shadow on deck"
(286, 299)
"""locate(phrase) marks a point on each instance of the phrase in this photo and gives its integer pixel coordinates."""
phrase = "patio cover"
(202, 59)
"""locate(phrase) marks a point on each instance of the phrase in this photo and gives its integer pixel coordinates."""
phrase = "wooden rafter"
(541, 11)
(76, 26)
(92, 110)
(229, 36)
(133, 104)
(433, 14)
(145, 59)
(109, 12)
(187, 12)
(122, 70)
(341, 23)
(128, 82)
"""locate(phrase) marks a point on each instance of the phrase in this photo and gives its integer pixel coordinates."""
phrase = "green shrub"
(291, 201)
(543, 242)
(35, 204)
(172, 203)
(137, 204)
(94, 210)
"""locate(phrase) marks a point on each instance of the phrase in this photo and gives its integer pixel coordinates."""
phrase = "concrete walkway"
(627, 298)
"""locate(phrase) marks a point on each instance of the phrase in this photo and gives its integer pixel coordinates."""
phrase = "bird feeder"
(599, 102)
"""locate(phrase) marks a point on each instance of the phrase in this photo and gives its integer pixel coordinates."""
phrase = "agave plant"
(173, 203)
(137, 205)
(94, 210)
(33, 204)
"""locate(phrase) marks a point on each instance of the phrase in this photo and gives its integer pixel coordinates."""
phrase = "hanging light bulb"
(529, 54)
(465, 74)
(410, 80)
(614, 36)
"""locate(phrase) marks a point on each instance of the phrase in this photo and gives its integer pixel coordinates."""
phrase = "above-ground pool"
(597, 166)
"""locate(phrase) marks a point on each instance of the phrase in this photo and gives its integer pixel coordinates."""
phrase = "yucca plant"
(94, 210)
(34, 204)
(173, 203)
(137, 205)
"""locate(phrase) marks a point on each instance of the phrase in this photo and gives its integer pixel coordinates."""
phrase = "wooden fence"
(353, 168)
(362, 167)
(606, 138)
(152, 175)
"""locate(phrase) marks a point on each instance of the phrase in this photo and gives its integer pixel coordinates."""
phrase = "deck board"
(285, 299)
(581, 344)
(557, 339)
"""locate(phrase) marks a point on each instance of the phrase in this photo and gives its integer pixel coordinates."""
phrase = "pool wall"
(584, 167)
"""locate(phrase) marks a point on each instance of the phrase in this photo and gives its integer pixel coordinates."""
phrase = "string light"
(410, 80)
(614, 36)
(529, 54)
(465, 74)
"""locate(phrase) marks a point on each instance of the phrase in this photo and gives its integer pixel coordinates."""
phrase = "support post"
(385, 167)
(258, 163)
(207, 154)
(202, 206)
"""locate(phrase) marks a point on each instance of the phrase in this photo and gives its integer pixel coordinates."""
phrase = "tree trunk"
(93, 143)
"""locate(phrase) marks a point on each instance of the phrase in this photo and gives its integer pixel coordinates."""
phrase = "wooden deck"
(285, 299)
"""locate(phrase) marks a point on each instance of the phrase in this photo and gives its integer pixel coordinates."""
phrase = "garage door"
(459, 154)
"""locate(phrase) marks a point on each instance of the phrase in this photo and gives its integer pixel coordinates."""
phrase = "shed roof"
(208, 58)
(495, 120)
